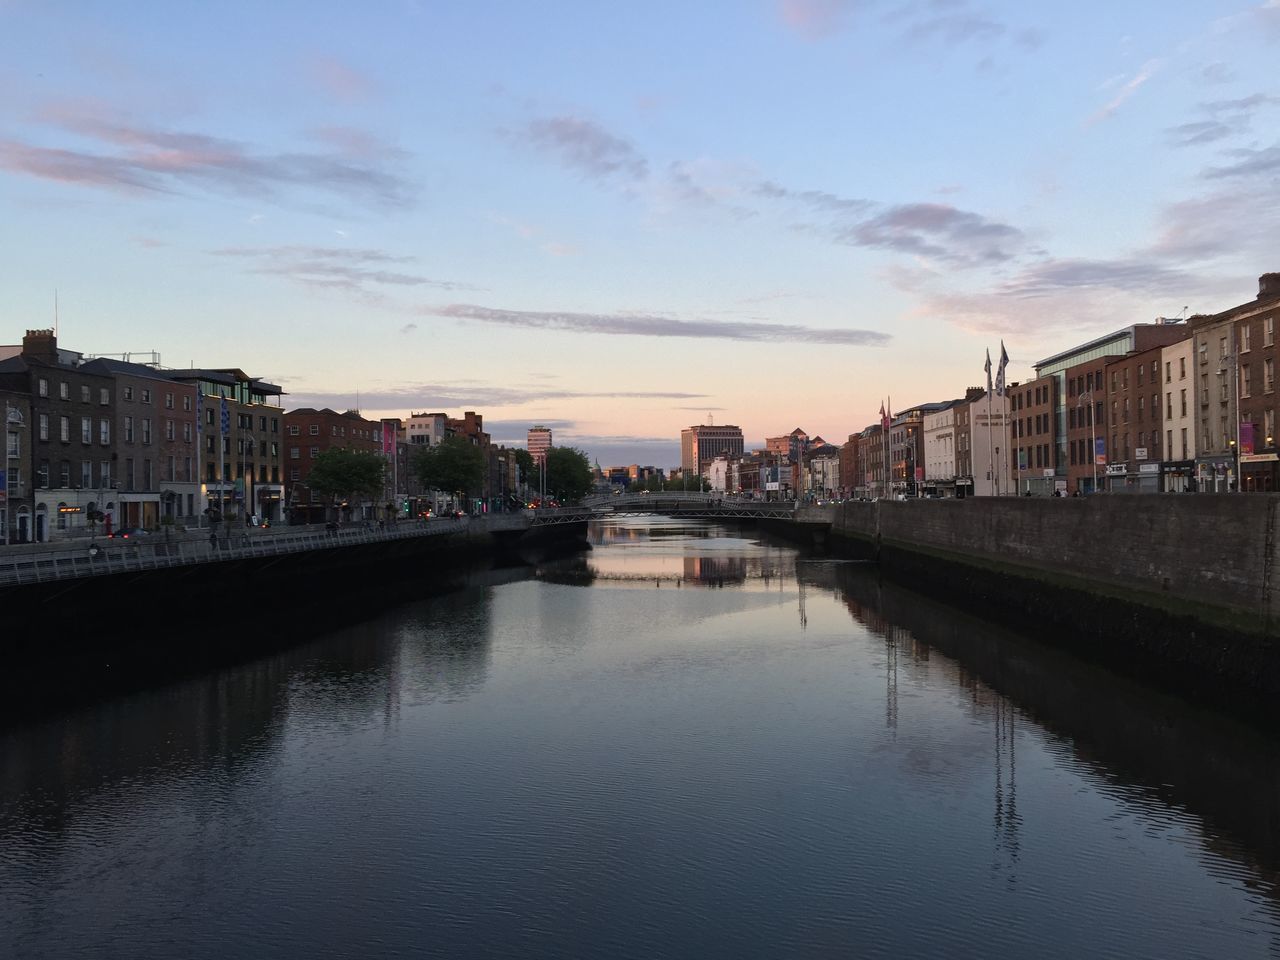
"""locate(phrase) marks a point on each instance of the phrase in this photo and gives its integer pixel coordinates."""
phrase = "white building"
(940, 449)
(425, 429)
(991, 450)
(1177, 471)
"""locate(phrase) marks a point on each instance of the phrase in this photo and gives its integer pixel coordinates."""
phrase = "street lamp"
(1234, 360)
(1087, 396)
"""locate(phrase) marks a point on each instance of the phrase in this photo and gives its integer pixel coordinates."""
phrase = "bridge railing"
(101, 557)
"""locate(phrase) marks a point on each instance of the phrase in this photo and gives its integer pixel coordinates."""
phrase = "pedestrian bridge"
(712, 506)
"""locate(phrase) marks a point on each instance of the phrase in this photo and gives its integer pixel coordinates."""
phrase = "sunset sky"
(621, 219)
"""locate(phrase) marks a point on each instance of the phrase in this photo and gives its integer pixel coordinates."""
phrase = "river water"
(687, 743)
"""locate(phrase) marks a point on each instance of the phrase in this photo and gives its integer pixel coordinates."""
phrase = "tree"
(352, 474)
(524, 461)
(455, 465)
(568, 474)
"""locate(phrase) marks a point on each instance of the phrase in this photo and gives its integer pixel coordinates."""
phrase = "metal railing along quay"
(104, 556)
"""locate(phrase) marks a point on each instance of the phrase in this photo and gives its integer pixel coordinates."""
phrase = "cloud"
(335, 267)
(638, 325)
(955, 28)
(815, 19)
(1198, 132)
(339, 80)
(1149, 69)
(586, 147)
(409, 328)
(469, 396)
(1251, 163)
(817, 200)
(938, 231)
(1216, 73)
(133, 158)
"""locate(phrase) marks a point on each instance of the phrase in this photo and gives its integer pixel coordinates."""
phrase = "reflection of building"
(701, 444)
(715, 570)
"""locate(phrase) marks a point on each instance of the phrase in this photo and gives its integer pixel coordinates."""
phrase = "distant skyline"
(618, 220)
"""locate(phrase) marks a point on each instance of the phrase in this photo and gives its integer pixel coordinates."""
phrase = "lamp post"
(1087, 396)
(1234, 360)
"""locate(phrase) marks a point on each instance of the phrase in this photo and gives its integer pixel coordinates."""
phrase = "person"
(213, 539)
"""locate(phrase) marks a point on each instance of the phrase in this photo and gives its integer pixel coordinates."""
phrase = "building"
(309, 432)
(701, 444)
(1086, 405)
(1134, 422)
(155, 428)
(1177, 472)
(822, 472)
(538, 442)
(71, 451)
(16, 502)
(940, 450)
(963, 427)
(906, 449)
(1135, 338)
(1033, 408)
(990, 428)
(425, 429)
(1235, 393)
(240, 441)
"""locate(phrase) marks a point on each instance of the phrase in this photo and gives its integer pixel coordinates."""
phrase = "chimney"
(41, 345)
(1268, 286)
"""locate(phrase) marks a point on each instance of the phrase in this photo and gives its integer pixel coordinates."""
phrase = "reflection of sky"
(642, 551)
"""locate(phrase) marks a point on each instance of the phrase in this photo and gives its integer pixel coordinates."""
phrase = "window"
(1222, 348)
(186, 404)
(1140, 369)
(64, 432)
(1269, 427)
(315, 452)
(1182, 394)
(186, 431)
(86, 394)
(64, 392)
(186, 463)
(275, 425)
(1168, 406)
(86, 430)
(1268, 375)
(173, 469)
(42, 387)
(1155, 406)
(262, 424)
(168, 430)
(1204, 388)
(1155, 370)
(86, 474)
(104, 397)
(1244, 380)
(294, 474)
(42, 475)
(293, 430)
(15, 446)
(168, 400)
(64, 474)
(128, 429)
(1140, 405)
(1269, 331)
(128, 393)
(43, 428)
(1204, 351)
(315, 429)
(146, 396)
(1245, 338)
(1168, 441)
(1168, 371)
(1184, 443)
(275, 450)
(128, 474)
(146, 429)
(146, 474)
(104, 432)
(1182, 368)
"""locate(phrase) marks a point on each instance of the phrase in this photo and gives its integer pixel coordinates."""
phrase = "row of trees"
(456, 466)
(659, 485)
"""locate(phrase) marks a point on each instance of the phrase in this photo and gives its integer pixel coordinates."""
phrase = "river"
(687, 742)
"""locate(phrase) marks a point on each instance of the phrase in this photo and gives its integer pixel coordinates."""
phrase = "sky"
(618, 220)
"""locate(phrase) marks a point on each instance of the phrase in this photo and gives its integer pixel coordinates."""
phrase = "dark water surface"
(689, 743)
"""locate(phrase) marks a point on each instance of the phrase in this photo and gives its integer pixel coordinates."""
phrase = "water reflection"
(689, 741)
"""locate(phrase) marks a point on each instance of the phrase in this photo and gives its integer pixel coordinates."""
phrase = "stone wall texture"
(1213, 551)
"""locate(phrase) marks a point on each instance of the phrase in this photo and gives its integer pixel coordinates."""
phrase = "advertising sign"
(1246, 439)
(1099, 451)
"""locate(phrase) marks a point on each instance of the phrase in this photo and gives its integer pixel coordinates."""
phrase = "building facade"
(538, 442)
(701, 444)
(1033, 406)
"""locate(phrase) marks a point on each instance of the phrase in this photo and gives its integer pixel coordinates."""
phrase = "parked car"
(129, 533)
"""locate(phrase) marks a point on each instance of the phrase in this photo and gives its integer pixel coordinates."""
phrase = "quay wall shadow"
(1175, 590)
(78, 640)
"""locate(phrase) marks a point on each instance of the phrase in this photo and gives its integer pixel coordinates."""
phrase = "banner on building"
(1246, 439)
(1099, 451)
(390, 430)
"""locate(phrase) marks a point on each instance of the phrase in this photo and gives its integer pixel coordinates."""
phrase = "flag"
(226, 418)
(987, 367)
(884, 417)
(199, 412)
(1004, 362)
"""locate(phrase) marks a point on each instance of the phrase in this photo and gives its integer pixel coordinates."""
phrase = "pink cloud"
(341, 81)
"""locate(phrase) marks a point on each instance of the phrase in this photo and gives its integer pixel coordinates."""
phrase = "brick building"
(309, 432)
(1134, 415)
(1033, 406)
(1086, 404)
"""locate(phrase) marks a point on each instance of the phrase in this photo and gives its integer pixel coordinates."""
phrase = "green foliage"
(569, 476)
(524, 460)
(455, 465)
(347, 473)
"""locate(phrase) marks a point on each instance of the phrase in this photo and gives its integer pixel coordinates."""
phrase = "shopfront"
(1178, 476)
